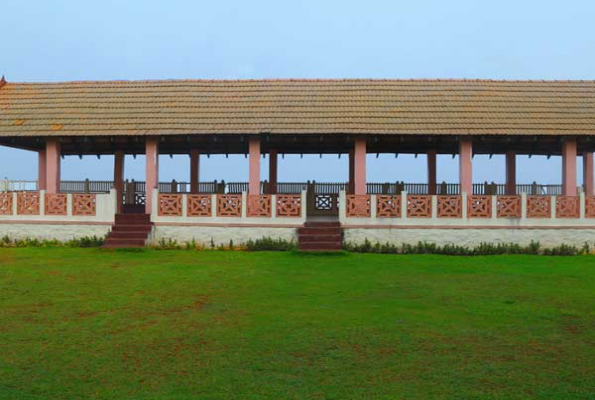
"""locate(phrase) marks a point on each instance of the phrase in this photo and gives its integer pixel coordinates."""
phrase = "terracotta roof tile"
(297, 106)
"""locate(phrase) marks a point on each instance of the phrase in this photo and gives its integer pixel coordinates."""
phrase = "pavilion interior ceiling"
(306, 144)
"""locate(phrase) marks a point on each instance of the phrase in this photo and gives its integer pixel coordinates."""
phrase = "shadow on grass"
(338, 253)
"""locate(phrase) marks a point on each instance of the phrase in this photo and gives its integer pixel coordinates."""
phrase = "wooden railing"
(222, 187)
(85, 186)
(17, 186)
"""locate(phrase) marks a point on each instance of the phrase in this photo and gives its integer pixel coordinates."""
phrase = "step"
(127, 220)
(120, 246)
(128, 235)
(132, 218)
(132, 228)
(133, 209)
(319, 231)
(319, 238)
(329, 224)
(321, 246)
(137, 215)
(131, 222)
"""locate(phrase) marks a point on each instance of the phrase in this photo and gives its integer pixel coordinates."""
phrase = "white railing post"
(403, 204)
(213, 205)
(14, 203)
(184, 205)
(273, 206)
(69, 204)
(244, 205)
(523, 206)
(553, 207)
(373, 206)
(434, 207)
(464, 206)
(581, 205)
(42, 204)
(304, 204)
(494, 207)
(342, 206)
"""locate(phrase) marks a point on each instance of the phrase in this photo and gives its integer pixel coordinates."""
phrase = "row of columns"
(49, 168)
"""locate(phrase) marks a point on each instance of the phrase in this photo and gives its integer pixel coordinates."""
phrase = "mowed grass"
(94, 324)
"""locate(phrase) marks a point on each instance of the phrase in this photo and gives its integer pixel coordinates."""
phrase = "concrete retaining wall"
(61, 232)
(220, 234)
(471, 237)
(397, 236)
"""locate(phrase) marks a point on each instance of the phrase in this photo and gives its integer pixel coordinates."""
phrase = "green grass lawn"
(93, 324)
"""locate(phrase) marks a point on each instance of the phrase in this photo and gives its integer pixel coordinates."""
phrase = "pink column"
(588, 179)
(359, 155)
(431, 171)
(465, 165)
(152, 170)
(41, 173)
(254, 168)
(510, 173)
(569, 167)
(273, 172)
(119, 178)
(52, 165)
(194, 170)
(351, 185)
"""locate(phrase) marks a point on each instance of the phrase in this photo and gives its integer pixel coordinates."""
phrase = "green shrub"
(483, 249)
(85, 241)
(269, 244)
(562, 250)
(168, 244)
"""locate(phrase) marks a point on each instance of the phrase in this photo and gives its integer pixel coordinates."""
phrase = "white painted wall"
(52, 231)
(219, 235)
(471, 237)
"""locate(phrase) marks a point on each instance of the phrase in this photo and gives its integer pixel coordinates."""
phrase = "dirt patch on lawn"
(6, 257)
(196, 305)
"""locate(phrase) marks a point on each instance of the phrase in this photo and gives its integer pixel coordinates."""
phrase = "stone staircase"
(129, 230)
(320, 236)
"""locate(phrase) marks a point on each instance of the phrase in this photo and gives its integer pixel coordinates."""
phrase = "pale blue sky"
(88, 40)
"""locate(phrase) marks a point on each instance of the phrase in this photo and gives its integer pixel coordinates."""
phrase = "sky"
(63, 40)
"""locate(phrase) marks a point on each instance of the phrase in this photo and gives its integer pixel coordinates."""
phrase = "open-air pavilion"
(278, 117)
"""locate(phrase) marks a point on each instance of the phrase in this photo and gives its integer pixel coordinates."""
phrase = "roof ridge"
(315, 80)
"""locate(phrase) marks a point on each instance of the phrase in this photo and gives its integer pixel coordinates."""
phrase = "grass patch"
(97, 324)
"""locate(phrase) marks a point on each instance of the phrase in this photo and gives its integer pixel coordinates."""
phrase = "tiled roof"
(298, 107)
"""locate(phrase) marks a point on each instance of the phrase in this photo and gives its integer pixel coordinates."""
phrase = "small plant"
(483, 249)
(562, 250)
(269, 244)
(168, 244)
(191, 245)
(85, 241)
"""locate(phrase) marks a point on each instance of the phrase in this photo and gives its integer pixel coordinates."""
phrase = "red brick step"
(320, 236)
(129, 230)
